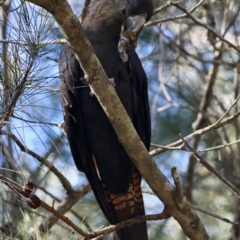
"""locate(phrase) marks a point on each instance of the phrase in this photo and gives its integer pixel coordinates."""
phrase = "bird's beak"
(129, 35)
(134, 24)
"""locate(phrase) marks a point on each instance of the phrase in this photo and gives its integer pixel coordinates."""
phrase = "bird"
(112, 27)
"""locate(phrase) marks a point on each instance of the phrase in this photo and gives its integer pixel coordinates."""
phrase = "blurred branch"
(232, 64)
(38, 122)
(207, 95)
(85, 10)
(33, 213)
(200, 210)
(215, 215)
(59, 40)
(225, 114)
(163, 215)
(66, 184)
(210, 22)
(168, 4)
(8, 156)
(196, 133)
(199, 151)
(201, 120)
(164, 6)
(219, 147)
(17, 94)
(198, 22)
(166, 148)
(81, 195)
(205, 101)
(235, 231)
(66, 204)
(207, 27)
(11, 231)
(2, 2)
(211, 169)
(34, 202)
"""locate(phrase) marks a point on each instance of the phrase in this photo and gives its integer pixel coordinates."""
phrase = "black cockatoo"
(112, 26)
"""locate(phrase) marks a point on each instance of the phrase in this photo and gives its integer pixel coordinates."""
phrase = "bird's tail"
(128, 206)
(134, 232)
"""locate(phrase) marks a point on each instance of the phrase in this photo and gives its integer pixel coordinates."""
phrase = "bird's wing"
(140, 102)
(71, 84)
(95, 146)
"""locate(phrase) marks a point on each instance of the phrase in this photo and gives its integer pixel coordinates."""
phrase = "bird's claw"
(91, 93)
(61, 125)
(112, 82)
(123, 44)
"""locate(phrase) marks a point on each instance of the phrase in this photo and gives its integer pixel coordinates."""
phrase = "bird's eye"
(124, 11)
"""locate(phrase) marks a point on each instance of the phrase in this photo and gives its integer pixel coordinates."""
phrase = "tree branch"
(66, 184)
(211, 169)
(199, 132)
(65, 206)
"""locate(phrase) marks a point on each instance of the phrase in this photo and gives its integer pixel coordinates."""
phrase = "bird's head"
(135, 14)
(139, 7)
(112, 18)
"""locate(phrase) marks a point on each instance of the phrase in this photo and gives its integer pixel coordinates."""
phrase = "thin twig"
(152, 23)
(8, 155)
(166, 5)
(197, 133)
(16, 96)
(53, 59)
(36, 200)
(198, 209)
(65, 206)
(166, 147)
(55, 41)
(85, 10)
(219, 147)
(206, 26)
(163, 215)
(188, 14)
(66, 184)
(33, 200)
(215, 215)
(211, 169)
(223, 116)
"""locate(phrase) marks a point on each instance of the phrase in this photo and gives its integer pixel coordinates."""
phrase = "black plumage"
(94, 144)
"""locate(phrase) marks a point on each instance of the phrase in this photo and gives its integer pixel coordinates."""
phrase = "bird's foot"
(123, 44)
(61, 125)
(91, 93)
(112, 82)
